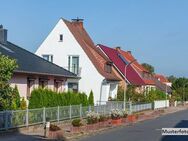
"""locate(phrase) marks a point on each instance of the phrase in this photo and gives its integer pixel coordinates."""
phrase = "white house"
(69, 45)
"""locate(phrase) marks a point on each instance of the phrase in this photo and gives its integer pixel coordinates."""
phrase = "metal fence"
(21, 118)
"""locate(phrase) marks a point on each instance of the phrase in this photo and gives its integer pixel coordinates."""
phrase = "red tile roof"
(95, 55)
(134, 72)
(161, 78)
(130, 58)
(132, 76)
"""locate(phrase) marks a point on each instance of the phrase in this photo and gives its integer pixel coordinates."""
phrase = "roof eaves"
(39, 73)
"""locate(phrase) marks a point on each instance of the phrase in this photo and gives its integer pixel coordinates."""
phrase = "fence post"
(58, 113)
(6, 120)
(70, 111)
(80, 110)
(89, 108)
(98, 109)
(27, 117)
(104, 109)
(130, 107)
(44, 115)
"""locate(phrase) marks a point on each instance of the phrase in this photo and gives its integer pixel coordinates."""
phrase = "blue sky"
(156, 31)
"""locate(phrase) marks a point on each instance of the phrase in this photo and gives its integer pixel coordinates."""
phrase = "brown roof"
(95, 55)
(161, 78)
(130, 58)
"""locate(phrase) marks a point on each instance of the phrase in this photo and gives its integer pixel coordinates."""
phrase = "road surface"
(149, 130)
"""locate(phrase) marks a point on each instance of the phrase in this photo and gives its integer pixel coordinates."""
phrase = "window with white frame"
(73, 64)
(48, 57)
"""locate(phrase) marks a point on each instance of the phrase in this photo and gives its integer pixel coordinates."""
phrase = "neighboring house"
(136, 74)
(33, 71)
(71, 47)
(163, 79)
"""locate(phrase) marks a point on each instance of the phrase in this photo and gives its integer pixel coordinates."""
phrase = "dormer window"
(108, 67)
(61, 37)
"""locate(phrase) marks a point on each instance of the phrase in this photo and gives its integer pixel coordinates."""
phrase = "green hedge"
(48, 98)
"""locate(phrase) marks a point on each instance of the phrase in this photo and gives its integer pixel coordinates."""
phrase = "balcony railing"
(75, 70)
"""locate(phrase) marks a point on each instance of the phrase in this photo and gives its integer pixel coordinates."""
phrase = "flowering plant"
(124, 114)
(92, 117)
(116, 114)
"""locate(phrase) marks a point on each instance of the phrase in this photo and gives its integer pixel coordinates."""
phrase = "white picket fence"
(160, 104)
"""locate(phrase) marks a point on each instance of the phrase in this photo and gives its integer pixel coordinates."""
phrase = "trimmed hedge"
(47, 98)
(91, 98)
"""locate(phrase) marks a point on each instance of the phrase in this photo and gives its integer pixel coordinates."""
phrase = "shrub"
(16, 96)
(124, 114)
(116, 114)
(7, 66)
(54, 127)
(23, 104)
(155, 95)
(76, 123)
(92, 117)
(48, 98)
(103, 118)
(91, 99)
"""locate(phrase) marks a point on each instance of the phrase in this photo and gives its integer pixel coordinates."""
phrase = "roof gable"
(161, 78)
(132, 76)
(94, 54)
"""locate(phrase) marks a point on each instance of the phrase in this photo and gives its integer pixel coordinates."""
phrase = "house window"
(73, 64)
(61, 37)
(30, 86)
(73, 87)
(48, 57)
(43, 83)
(108, 67)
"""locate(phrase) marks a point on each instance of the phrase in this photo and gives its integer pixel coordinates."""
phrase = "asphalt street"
(149, 130)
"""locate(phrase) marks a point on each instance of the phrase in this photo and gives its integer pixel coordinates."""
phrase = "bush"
(124, 114)
(91, 99)
(47, 98)
(92, 117)
(54, 127)
(76, 123)
(155, 95)
(23, 104)
(103, 118)
(116, 114)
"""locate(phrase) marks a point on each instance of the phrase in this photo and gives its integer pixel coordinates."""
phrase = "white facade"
(63, 51)
(168, 84)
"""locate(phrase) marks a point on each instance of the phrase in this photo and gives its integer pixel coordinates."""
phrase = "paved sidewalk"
(37, 135)
(148, 130)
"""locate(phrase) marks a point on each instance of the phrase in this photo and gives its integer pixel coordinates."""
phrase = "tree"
(155, 95)
(172, 78)
(23, 104)
(180, 85)
(91, 98)
(148, 67)
(7, 67)
(15, 101)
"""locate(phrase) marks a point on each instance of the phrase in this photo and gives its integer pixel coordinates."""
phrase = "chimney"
(78, 21)
(3, 34)
(118, 48)
(129, 52)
